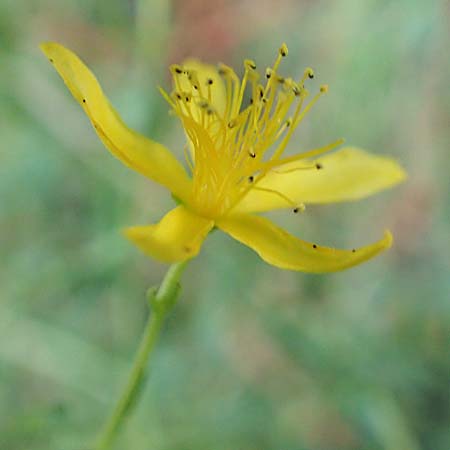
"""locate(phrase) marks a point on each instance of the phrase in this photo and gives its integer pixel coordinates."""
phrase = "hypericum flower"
(235, 156)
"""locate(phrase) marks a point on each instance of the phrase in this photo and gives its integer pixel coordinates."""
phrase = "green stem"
(162, 300)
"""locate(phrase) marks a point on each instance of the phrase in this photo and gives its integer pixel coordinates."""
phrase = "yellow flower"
(236, 163)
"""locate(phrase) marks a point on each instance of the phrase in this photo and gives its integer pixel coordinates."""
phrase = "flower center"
(232, 147)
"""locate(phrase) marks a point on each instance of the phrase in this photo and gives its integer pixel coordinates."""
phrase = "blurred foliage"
(253, 358)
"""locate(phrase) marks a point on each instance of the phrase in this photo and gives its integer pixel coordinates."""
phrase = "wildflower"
(235, 155)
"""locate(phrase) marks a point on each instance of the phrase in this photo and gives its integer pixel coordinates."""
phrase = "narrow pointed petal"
(177, 237)
(348, 174)
(281, 249)
(134, 150)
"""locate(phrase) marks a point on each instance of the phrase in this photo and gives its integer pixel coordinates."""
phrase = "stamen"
(166, 97)
(232, 81)
(296, 90)
(316, 166)
(209, 83)
(278, 152)
(279, 194)
(250, 64)
(283, 128)
(308, 73)
(298, 117)
(176, 72)
(305, 155)
(230, 145)
(300, 208)
(176, 69)
(283, 50)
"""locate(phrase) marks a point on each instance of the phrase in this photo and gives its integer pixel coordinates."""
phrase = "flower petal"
(281, 249)
(348, 174)
(177, 237)
(134, 150)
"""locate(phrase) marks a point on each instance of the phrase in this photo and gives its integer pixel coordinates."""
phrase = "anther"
(296, 90)
(84, 100)
(260, 92)
(223, 69)
(314, 246)
(309, 73)
(324, 88)
(251, 178)
(281, 80)
(209, 81)
(174, 68)
(249, 64)
(288, 122)
(232, 123)
(203, 104)
(252, 154)
(319, 166)
(299, 208)
(283, 50)
(353, 250)
(268, 72)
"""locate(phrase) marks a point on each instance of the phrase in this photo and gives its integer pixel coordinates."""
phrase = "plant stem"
(161, 300)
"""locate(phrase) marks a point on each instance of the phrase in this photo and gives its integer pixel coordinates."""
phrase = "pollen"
(238, 134)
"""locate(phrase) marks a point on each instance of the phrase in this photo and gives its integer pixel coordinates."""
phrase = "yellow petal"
(281, 249)
(348, 174)
(134, 150)
(177, 237)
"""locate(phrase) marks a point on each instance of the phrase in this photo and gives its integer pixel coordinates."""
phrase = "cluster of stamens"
(233, 147)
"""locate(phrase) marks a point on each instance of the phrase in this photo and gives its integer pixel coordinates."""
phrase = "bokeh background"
(253, 358)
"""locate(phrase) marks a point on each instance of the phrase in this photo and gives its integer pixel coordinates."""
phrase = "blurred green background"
(253, 357)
